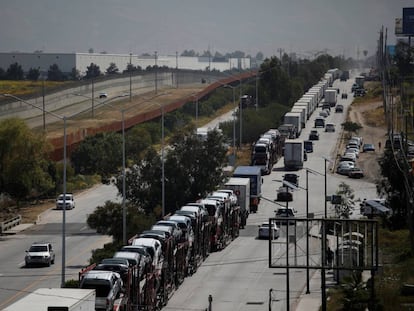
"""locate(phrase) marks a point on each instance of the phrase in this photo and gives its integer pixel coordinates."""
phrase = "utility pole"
(130, 77)
(156, 73)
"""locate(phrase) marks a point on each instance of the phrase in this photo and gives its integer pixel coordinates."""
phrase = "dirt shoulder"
(370, 115)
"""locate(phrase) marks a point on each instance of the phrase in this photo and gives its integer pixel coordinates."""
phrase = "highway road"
(16, 280)
(239, 277)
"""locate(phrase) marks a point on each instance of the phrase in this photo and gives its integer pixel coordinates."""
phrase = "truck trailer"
(255, 176)
(53, 299)
(241, 188)
(331, 97)
(294, 118)
(293, 154)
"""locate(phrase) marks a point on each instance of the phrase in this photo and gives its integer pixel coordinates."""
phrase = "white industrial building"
(67, 61)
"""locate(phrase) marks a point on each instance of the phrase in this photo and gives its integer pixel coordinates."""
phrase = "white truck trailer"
(331, 96)
(293, 154)
(241, 187)
(295, 119)
(303, 114)
(51, 299)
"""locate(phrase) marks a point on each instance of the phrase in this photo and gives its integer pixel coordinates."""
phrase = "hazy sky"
(167, 26)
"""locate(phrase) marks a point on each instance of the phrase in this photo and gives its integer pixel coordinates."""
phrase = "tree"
(347, 203)
(355, 293)
(23, 161)
(100, 154)
(2, 74)
(55, 74)
(404, 58)
(259, 56)
(351, 127)
(92, 71)
(112, 69)
(190, 53)
(33, 74)
(192, 169)
(74, 74)
(15, 72)
(108, 220)
(137, 140)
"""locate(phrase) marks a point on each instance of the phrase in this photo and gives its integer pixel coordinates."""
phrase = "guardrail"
(10, 223)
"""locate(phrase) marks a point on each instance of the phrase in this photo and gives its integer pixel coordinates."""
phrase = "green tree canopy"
(55, 74)
(92, 71)
(112, 69)
(33, 74)
(192, 168)
(15, 72)
(23, 161)
(100, 154)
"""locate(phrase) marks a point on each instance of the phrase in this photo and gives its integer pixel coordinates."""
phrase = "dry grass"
(20, 88)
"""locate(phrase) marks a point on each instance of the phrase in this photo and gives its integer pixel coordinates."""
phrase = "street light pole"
(241, 115)
(162, 163)
(156, 73)
(130, 77)
(123, 181)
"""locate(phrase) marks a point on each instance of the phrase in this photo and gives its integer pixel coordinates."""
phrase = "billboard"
(408, 21)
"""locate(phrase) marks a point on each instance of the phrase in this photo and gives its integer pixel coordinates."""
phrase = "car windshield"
(68, 198)
(38, 248)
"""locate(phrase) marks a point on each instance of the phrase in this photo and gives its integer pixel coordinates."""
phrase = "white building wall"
(67, 61)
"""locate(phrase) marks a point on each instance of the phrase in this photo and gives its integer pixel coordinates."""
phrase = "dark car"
(284, 194)
(368, 147)
(308, 146)
(344, 95)
(314, 135)
(286, 215)
(339, 108)
(355, 172)
(292, 178)
(319, 122)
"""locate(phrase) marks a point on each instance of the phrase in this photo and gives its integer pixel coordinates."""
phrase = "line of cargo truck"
(295, 120)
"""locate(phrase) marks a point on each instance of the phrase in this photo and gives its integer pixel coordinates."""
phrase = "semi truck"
(293, 154)
(241, 188)
(294, 118)
(255, 176)
(331, 97)
(303, 114)
(53, 299)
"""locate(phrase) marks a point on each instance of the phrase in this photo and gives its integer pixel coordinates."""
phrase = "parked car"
(344, 96)
(264, 231)
(356, 172)
(368, 147)
(103, 95)
(352, 150)
(344, 169)
(348, 157)
(339, 108)
(69, 201)
(319, 122)
(313, 135)
(330, 127)
(352, 144)
(40, 254)
(358, 139)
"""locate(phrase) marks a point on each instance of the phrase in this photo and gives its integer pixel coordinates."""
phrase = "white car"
(344, 169)
(264, 231)
(352, 150)
(69, 201)
(349, 156)
(40, 254)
